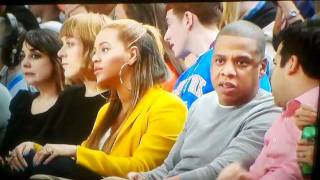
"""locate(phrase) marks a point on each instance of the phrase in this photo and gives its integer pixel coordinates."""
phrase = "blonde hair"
(85, 26)
(231, 13)
(149, 69)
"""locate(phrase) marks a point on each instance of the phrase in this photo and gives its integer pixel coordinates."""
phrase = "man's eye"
(242, 63)
(219, 61)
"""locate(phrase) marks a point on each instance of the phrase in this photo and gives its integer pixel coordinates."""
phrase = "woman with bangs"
(83, 100)
(140, 124)
(79, 103)
(32, 112)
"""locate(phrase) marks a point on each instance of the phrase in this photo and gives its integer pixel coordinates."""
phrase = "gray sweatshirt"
(215, 136)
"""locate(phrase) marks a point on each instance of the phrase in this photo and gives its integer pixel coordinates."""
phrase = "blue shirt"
(196, 80)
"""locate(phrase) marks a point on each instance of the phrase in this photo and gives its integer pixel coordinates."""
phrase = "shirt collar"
(309, 98)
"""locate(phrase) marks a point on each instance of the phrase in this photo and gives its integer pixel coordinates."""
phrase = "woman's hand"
(305, 151)
(304, 116)
(50, 151)
(135, 176)
(16, 160)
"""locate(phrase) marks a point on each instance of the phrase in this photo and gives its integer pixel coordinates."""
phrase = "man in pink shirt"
(295, 81)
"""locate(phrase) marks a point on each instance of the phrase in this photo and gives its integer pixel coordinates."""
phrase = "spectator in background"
(192, 28)
(5, 99)
(48, 16)
(73, 9)
(261, 13)
(153, 14)
(230, 13)
(306, 8)
(44, 13)
(15, 21)
(23, 15)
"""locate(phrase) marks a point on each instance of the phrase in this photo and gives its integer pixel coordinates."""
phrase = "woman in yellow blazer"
(137, 128)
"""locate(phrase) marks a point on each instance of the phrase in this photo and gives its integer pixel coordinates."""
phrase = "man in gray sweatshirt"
(228, 124)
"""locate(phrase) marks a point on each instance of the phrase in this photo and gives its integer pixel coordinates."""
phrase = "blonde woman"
(137, 129)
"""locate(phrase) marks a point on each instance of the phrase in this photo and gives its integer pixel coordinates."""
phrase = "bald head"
(246, 29)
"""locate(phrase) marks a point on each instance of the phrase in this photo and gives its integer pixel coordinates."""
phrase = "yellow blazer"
(144, 139)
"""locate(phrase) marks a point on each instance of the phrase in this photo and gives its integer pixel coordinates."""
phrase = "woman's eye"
(104, 49)
(69, 44)
(93, 52)
(22, 56)
(35, 56)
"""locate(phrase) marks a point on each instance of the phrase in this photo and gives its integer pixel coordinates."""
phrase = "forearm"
(287, 7)
(108, 165)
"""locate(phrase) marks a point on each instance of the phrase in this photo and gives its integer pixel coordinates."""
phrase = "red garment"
(168, 85)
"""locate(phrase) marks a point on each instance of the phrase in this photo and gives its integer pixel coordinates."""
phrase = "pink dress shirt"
(277, 160)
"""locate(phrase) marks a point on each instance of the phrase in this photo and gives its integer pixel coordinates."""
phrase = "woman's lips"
(28, 73)
(96, 70)
(64, 64)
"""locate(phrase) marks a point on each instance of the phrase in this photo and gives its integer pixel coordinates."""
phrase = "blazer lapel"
(142, 107)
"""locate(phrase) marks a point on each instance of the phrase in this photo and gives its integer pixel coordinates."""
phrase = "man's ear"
(133, 55)
(188, 20)
(292, 65)
(263, 67)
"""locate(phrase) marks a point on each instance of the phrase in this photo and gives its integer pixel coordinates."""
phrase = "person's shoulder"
(263, 103)
(20, 100)
(206, 100)
(23, 94)
(207, 55)
(74, 90)
(208, 96)
(102, 112)
(205, 60)
(165, 97)
(4, 92)
(264, 96)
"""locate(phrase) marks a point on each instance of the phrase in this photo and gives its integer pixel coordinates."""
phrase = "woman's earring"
(120, 74)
